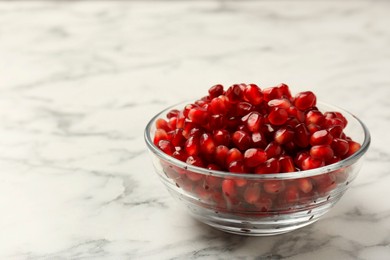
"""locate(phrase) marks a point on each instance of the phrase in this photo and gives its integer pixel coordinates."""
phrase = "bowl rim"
(286, 175)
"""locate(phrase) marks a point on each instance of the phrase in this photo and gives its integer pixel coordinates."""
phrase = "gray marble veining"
(80, 80)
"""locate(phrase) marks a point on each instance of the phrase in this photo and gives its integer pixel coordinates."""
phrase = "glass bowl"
(275, 207)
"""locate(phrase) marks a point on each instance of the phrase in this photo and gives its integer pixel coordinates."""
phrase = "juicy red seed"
(271, 93)
(336, 131)
(191, 146)
(273, 149)
(241, 139)
(323, 152)
(286, 164)
(233, 155)
(180, 155)
(302, 135)
(283, 135)
(258, 140)
(340, 147)
(173, 113)
(290, 195)
(254, 157)
(273, 186)
(240, 182)
(268, 131)
(329, 122)
(292, 122)
(229, 188)
(213, 167)
(243, 108)
(207, 144)
(195, 161)
(162, 124)
(353, 148)
(253, 94)
(314, 117)
(172, 122)
(215, 91)
(290, 148)
(217, 121)
(312, 163)
(280, 103)
(219, 105)
(188, 127)
(187, 109)
(252, 194)
(305, 100)
(159, 135)
(166, 146)
(334, 159)
(221, 137)
(270, 166)
(221, 153)
(177, 137)
(236, 167)
(313, 128)
(300, 157)
(284, 90)
(305, 185)
(254, 121)
(180, 120)
(278, 116)
(198, 115)
(232, 123)
(234, 93)
(295, 112)
(321, 137)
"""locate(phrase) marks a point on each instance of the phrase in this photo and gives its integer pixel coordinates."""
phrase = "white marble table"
(80, 80)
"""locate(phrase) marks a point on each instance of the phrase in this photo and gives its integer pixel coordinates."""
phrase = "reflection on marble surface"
(80, 80)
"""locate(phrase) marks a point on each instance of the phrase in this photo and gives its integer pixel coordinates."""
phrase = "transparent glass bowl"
(274, 213)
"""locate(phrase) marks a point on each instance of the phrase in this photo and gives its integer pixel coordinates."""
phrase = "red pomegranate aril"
(353, 148)
(236, 167)
(305, 185)
(286, 164)
(332, 160)
(221, 137)
(162, 124)
(166, 146)
(300, 157)
(283, 135)
(329, 122)
(280, 103)
(207, 144)
(296, 113)
(234, 93)
(305, 100)
(292, 122)
(271, 93)
(173, 113)
(278, 116)
(191, 146)
(221, 153)
(253, 157)
(180, 155)
(258, 140)
(268, 131)
(229, 188)
(284, 90)
(340, 147)
(198, 115)
(273, 149)
(195, 161)
(314, 117)
(176, 137)
(321, 137)
(219, 105)
(252, 193)
(290, 148)
(243, 108)
(180, 122)
(233, 155)
(312, 163)
(172, 122)
(290, 195)
(216, 91)
(302, 136)
(273, 186)
(313, 128)
(336, 131)
(241, 139)
(254, 121)
(270, 166)
(159, 135)
(253, 94)
(232, 123)
(322, 152)
(187, 109)
(217, 122)
(195, 132)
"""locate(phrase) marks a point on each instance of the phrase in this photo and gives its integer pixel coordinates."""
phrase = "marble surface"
(80, 80)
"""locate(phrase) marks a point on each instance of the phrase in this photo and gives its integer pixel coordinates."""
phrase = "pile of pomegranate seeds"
(248, 130)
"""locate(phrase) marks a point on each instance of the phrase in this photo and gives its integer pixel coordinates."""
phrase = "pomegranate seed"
(236, 167)
(180, 155)
(305, 100)
(323, 152)
(187, 109)
(340, 147)
(321, 137)
(311, 163)
(290, 195)
(219, 105)
(241, 139)
(283, 135)
(207, 145)
(296, 113)
(268, 131)
(166, 146)
(290, 148)
(292, 122)
(172, 122)
(305, 185)
(229, 188)
(332, 160)
(353, 148)
(336, 131)
(253, 95)
(286, 164)
(215, 91)
(173, 113)
(221, 137)
(233, 155)
(198, 115)
(313, 128)
(191, 146)
(314, 117)
(221, 153)
(234, 93)
(217, 122)
(254, 122)
(195, 161)
(284, 90)
(252, 193)
(258, 140)
(180, 120)
(278, 116)
(271, 93)
(300, 157)
(273, 149)
(273, 186)
(195, 132)
(280, 103)
(254, 157)
(302, 135)
(243, 108)
(162, 124)
(159, 135)
(269, 166)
